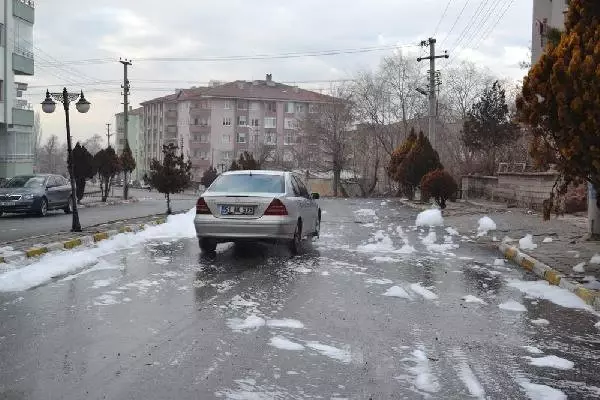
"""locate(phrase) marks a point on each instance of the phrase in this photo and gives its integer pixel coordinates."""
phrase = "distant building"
(546, 14)
(217, 123)
(16, 114)
(134, 136)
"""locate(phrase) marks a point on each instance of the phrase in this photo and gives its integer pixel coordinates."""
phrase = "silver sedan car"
(272, 206)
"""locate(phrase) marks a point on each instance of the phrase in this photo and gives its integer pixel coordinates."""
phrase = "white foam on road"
(595, 259)
(397, 291)
(541, 392)
(405, 249)
(252, 322)
(540, 321)
(473, 299)
(100, 283)
(380, 242)
(53, 265)
(526, 243)
(579, 268)
(366, 212)
(430, 218)
(533, 350)
(430, 238)
(452, 232)
(383, 281)
(238, 301)
(380, 259)
(283, 343)
(424, 379)
(466, 375)
(285, 323)
(547, 240)
(543, 290)
(499, 262)
(512, 305)
(486, 224)
(551, 362)
(334, 353)
(424, 292)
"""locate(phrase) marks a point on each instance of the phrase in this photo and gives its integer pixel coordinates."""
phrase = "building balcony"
(171, 129)
(22, 61)
(22, 113)
(200, 128)
(202, 146)
(24, 9)
(171, 114)
(200, 112)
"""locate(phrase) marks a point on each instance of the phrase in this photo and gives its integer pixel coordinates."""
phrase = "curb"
(78, 242)
(590, 297)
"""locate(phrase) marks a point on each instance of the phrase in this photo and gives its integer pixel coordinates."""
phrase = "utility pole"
(108, 134)
(125, 88)
(432, 84)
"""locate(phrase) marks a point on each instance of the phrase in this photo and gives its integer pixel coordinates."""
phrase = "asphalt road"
(17, 226)
(161, 321)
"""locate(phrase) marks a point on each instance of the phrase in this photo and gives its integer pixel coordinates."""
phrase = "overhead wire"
(455, 21)
(442, 17)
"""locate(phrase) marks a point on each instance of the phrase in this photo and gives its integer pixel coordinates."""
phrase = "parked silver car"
(36, 194)
(272, 206)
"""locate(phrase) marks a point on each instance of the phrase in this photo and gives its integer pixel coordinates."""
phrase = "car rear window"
(246, 183)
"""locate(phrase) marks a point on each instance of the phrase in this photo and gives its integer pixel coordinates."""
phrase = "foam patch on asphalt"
(543, 290)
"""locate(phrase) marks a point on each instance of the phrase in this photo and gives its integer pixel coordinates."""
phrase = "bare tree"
(52, 157)
(331, 128)
(37, 136)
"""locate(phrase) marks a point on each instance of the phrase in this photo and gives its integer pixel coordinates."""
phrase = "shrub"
(440, 185)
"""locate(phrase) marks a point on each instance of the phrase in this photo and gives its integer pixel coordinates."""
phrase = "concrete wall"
(521, 189)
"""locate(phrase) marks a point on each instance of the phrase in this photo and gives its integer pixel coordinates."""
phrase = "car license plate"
(7, 203)
(237, 210)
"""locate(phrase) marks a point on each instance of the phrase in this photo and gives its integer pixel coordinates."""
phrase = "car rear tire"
(43, 208)
(318, 226)
(295, 244)
(208, 245)
(69, 208)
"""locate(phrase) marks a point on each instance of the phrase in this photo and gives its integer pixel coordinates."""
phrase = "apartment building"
(134, 137)
(546, 14)
(217, 123)
(16, 114)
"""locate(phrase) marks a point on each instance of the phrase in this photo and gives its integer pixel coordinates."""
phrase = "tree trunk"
(104, 182)
(79, 189)
(125, 185)
(169, 211)
(336, 181)
(593, 212)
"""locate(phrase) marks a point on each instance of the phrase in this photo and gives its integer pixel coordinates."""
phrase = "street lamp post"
(83, 106)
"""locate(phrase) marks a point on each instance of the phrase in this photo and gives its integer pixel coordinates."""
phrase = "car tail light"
(276, 208)
(202, 207)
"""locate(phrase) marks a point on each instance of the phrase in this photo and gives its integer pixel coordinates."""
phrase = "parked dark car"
(36, 194)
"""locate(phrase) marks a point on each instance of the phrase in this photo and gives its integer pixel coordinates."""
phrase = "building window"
(195, 121)
(272, 106)
(226, 121)
(300, 108)
(241, 137)
(254, 138)
(254, 122)
(288, 138)
(204, 155)
(226, 139)
(290, 123)
(203, 138)
(242, 120)
(227, 105)
(313, 108)
(289, 108)
(270, 122)
(242, 105)
(270, 138)
(255, 106)
(226, 155)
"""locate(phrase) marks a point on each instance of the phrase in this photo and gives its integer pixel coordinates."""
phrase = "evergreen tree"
(83, 168)
(172, 175)
(209, 176)
(247, 162)
(107, 165)
(127, 165)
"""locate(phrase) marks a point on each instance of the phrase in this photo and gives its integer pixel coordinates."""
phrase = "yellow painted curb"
(586, 295)
(142, 227)
(35, 251)
(510, 253)
(1, 260)
(70, 244)
(160, 221)
(553, 277)
(100, 236)
(124, 229)
(527, 264)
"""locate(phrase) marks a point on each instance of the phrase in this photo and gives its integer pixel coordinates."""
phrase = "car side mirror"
(315, 196)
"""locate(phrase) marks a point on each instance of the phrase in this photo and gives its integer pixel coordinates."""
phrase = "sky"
(79, 45)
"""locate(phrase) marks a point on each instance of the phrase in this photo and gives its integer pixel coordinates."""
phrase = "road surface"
(359, 315)
(17, 226)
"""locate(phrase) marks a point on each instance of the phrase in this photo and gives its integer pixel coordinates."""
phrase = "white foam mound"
(486, 224)
(432, 217)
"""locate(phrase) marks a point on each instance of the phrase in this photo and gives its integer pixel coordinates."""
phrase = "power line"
(93, 61)
(489, 31)
(469, 24)
(442, 17)
(456, 21)
(484, 20)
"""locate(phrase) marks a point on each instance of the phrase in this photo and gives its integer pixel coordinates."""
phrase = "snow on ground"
(465, 373)
(424, 292)
(283, 343)
(430, 238)
(430, 243)
(252, 322)
(595, 259)
(540, 321)
(8, 251)
(579, 268)
(451, 231)
(100, 283)
(486, 224)
(332, 352)
(378, 281)
(285, 323)
(238, 301)
(526, 243)
(512, 305)
(533, 350)
(473, 299)
(62, 263)
(397, 291)
(551, 362)
(543, 290)
(424, 379)
(597, 325)
(405, 249)
(365, 212)
(547, 240)
(381, 242)
(541, 392)
(385, 259)
(499, 262)
(432, 217)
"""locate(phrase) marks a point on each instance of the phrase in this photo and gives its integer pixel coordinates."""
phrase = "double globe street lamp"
(83, 106)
